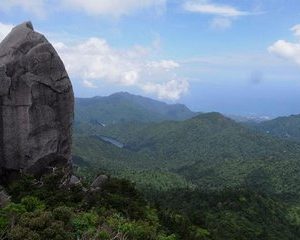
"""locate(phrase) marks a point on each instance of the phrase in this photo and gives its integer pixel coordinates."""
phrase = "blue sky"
(232, 56)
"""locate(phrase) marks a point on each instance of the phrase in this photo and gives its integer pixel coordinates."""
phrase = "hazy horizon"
(206, 108)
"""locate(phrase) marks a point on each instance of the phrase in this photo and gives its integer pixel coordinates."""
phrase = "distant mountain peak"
(212, 116)
(121, 94)
(127, 107)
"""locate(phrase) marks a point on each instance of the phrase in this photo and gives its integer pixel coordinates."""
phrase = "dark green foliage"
(121, 196)
(228, 214)
(119, 210)
(63, 214)
(51, 211)
(32, 204)
(49, 192)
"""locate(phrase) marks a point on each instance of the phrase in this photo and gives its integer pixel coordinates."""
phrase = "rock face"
(36, 105)
(99, 182)
(4, 198)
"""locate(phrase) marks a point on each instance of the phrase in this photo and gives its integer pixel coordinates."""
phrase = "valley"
(219, 168)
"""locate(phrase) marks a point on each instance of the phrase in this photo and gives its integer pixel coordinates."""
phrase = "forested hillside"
(209, 150)
(209, 177)
(283, 127)
(125, 107)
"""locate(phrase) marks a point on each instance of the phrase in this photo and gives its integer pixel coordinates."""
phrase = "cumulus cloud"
(115, 8)
(94, 60)
(4, 30)
(171, 90)
(286, 49)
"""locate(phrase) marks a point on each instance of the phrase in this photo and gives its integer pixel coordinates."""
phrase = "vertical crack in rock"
(36, 105)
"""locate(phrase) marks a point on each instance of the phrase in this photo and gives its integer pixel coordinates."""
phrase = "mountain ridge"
(286, 127)
(126, 107)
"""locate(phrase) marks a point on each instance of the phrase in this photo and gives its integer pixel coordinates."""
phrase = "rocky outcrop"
(4, 198)
(99, 182)
(74, 180)
(36, 105)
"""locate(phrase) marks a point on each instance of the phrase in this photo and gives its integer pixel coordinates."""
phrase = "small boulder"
(99, 182)
(74, 181)
(4, 198)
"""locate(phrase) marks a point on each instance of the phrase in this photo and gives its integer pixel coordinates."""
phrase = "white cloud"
(35, 6)
(115, 8)
(94, 60)
(288, 50)
(171, 90)
(207, 7)
(296, 30)
(130, 78)
(4, 30)
(166, 65)
(89, 84)
(221, 23)
(224, 14)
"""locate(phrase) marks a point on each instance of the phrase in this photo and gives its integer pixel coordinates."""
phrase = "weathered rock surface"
(74, 180)
(4, 198)
(36, 105)
(99, 182)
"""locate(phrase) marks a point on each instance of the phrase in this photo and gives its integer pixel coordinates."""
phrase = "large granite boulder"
(36, 105)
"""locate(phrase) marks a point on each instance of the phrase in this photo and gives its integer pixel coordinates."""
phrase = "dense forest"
(209, 150)
(119, 211)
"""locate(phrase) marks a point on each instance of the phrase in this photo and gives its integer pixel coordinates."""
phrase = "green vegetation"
(283, 127)
(210, 177)
(210, 151)
(125, 107)
(50, 211)
(229, 214)
(118, 211)
(201, 178)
